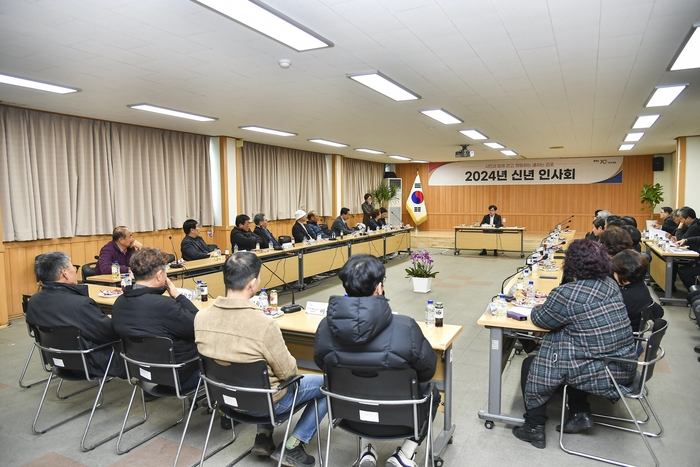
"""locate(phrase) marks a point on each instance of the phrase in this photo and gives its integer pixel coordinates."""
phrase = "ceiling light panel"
(633, 137)
(369, 151)
(473, 134)
(494, 145)
(329, 143)
(171, 112)
(384, 85)
(401, 158)
(509, 152)
(690, 55)
(625, 147)
(38, 85)
(260, 17)
(645, 121)
(269, 131)
(441, 116)
(664, 95)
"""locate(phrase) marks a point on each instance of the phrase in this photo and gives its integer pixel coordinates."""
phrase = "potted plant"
(421, 271)
(383, 193)
(651, 196)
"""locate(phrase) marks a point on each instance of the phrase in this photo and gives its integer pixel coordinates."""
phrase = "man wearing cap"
(299, 230)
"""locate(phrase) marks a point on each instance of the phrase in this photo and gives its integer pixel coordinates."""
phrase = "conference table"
(489, 238)
(503, 334)
(661, 269)
(299, 329)
(288, 266)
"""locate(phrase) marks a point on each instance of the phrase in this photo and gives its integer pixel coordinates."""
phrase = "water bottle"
(115, 271)
(127, 280)
(204, 291)
(530, 293)
(218, 255)
(257, 246)
(235, 248)
(501, 307)
(430, 314)
(198, 291)
(439, 314)
(333, 235)
(226, 253)
(262, 299)
(274, 300)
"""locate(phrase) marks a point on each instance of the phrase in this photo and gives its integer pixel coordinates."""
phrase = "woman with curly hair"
(587, 320)
(615, 239)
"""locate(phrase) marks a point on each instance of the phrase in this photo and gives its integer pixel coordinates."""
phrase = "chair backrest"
(88, 270)
(379, 386)
(653, 346)
(61, 347)
(145, 354)
(240, 386)
(646, 315)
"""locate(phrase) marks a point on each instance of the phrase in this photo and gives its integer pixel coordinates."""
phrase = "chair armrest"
(289, 382)
(102, 346)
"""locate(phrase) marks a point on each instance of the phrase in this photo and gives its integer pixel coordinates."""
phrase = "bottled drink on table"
(218, 255)
(262, 299)
(204, 290)
(235, 248)
(439, 314)
(127, 280)
(198, 291)
(226, 253)
(501, 307)
(257, 246)
(430, 314)
(273, 300)
(115, 271)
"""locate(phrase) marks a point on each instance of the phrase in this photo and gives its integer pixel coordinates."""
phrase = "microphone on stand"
(397, 218)
(293, 307)
(176, 264)
(559, 223)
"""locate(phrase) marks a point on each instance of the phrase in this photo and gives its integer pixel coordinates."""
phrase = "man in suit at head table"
(494, 220)
(340, 225)
(266, 237)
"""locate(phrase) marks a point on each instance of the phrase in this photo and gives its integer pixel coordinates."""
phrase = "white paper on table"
(679, 251)
(521, 310)
(654, 232)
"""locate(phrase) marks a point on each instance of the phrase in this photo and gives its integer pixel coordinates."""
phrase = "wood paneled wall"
(536, 207)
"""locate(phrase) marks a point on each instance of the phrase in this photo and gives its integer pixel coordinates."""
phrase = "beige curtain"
(278, 181)
(359, 177)
(66, 176)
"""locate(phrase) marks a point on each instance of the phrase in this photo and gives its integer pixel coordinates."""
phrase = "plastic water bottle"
(218, 255)
(257, 246)
(235, 248)
(204, 291)
(501, 307)
(262, 299)
(115, 271)
(439, 314)
(430, 314)
(226, 253)
(198, 291)
(127, 280)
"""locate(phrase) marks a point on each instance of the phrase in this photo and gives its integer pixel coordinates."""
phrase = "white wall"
(667, 179)
(692, 169)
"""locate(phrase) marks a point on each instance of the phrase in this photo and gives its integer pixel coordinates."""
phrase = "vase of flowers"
(421, 271)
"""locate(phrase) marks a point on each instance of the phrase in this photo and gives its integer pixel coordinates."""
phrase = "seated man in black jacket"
(62, 302)
(267, 240)
(242, 236)
(193, 246)
(361, 332)
(143, 310)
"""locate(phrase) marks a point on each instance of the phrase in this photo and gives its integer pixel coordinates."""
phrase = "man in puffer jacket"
(360, 332)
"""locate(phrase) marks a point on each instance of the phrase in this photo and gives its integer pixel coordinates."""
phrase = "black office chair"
(88, 270)
(635, 390)
(244, 386)
(25, 302)
(65, 357)
(361, 401)
(151, 367)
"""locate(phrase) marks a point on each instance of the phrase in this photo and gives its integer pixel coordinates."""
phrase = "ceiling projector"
(464, 152)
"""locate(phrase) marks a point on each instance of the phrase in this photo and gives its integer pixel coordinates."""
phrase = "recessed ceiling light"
(329, 143)
(256, 15)
(171, 112)
(401, 158)
(370, 151)
(441, 116)
(494, 145)
(384, 85)
(632, 137)
(473, 134)
(419, 162)
(27, 83)
(508, 152)
(269, 131)
(664, 95)
(690, 53)
(645, 121)
(625, 147)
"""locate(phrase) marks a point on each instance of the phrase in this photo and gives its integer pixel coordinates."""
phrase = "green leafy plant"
(383, 193)
(421, 265)
(651, 196)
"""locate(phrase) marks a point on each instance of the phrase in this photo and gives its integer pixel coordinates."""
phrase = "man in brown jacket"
(234, 329)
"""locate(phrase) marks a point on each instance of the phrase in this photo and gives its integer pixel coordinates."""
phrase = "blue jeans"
(309, 388)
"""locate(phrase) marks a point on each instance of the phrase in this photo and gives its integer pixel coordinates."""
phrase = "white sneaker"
(369, 457)
(399, 459)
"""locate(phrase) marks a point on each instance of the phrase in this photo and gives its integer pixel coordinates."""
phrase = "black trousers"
(578, 400)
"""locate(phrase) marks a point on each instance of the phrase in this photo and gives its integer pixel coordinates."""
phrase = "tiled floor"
(465, 284)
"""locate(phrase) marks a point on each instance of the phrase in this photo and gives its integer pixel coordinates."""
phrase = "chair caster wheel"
(450, 441)
(439, 462)
(488, 424)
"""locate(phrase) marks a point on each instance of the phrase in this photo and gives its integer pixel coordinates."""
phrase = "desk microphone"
(293, 307)
(397, 217)
(176, 264)
(560, 223)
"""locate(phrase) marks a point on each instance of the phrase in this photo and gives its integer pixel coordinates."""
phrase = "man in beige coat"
(234, 329)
